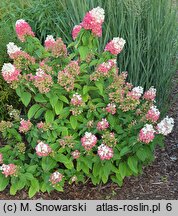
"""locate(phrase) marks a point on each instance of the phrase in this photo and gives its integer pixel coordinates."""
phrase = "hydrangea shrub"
(81, 118)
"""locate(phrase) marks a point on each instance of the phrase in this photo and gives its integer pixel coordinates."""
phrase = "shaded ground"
(159, 181)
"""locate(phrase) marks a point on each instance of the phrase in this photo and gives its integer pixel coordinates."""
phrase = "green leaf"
(65, 131)
(32, 111)
(58, 107)
(49, 116)
(13, 189)
(133, 164)
(63, 159)
(32, 191)
(32, 168)
(141, 154)
(48, 163)
(123, 169)
(3, 182)
(53, 100)
(83, 51)
(40, 98)
(28, 176)
(26, 98)
(99, 85)
(39, 112)
(73, 121)
(64, 99)
(124, 151)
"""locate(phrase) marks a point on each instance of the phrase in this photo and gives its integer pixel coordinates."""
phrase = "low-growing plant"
(82, 119)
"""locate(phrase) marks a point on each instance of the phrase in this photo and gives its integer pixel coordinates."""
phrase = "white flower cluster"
(165, 126)
(12, 48)
(50, 38)
(148, 128)
(118, 43)
(8, 68)
(98, 14)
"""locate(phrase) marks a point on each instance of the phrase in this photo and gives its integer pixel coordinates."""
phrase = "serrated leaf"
(26, 98)
(39, 112)
(48, 164)
(63, 159)
(124, 151)
(32, 111)
(13, 189)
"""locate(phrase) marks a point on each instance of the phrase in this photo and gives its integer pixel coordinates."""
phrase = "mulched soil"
(158, 181)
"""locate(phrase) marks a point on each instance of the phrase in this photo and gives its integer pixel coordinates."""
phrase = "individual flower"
(146, 134)
(9, 169)
(88, 141)
(115, 46)
(76, 31)
(1, 158)
(42, 81)
(93, 21)
(165, 126)
(105, 152)
(150, 94)
(25, 126)
(43, 149)
(103, 124)
(76, 100)
(13, 50)
(22, 29)
(136, 92)
(49, 42)
(75, 154)
(111, 108)
(9, 72)
(153, 114)
(55, 178)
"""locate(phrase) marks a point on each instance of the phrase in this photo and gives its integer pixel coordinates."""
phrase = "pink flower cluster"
(1, 158)
(10, 73)
(93, 21)
(55, 178)
(165, 126)
(111, 108)
(42, 81)
(76, 100)
(75, 154)
(22, 29)
(88, 141)
(58, 48)
(66, 78)
(146, 134)
(43, 149)
(9, 169)
(76, 31)
(105, 152)
(25, 126)
(153, 114)
(136, 92)
(150, 94)
(103, 124)
(13, 50)
(105, 67)
(115, 46)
